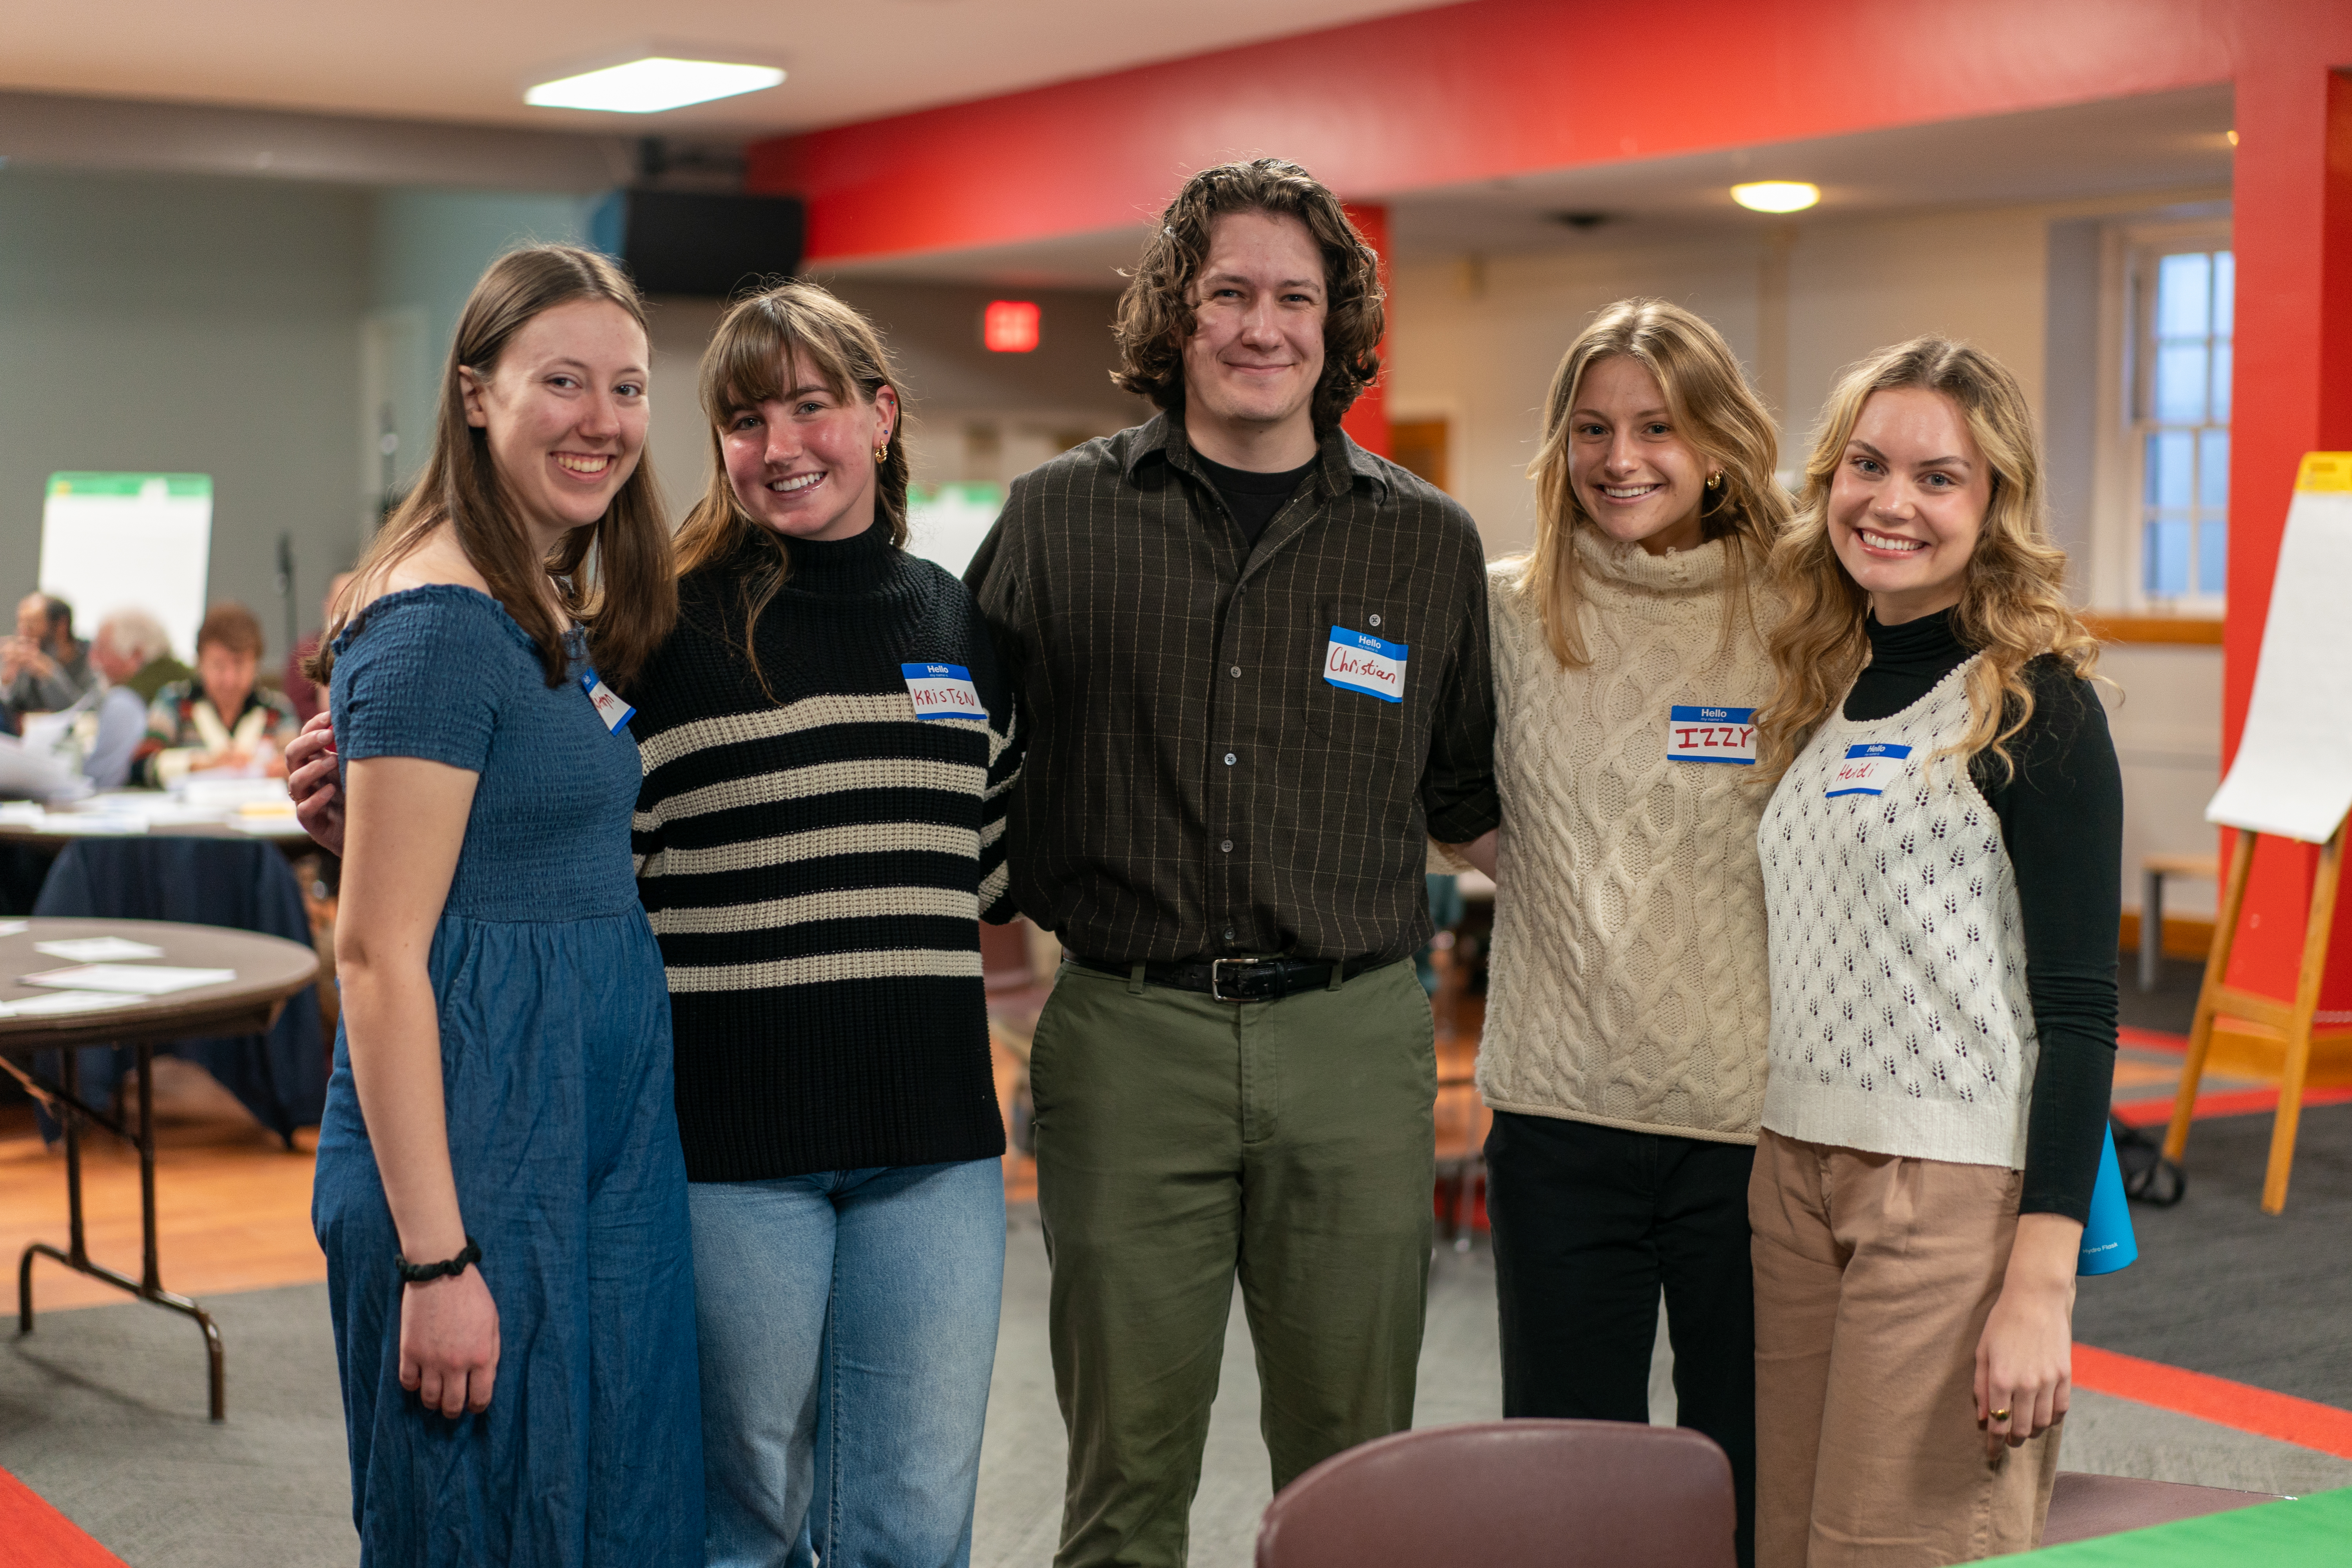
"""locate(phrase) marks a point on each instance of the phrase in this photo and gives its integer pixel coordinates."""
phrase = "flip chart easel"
(2292, 778)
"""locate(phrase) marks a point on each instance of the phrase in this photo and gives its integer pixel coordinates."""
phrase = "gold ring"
(2002, 1414)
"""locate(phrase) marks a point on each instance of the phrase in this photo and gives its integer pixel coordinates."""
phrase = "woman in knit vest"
(828, 751)
(1941, 862)
(1624, 1049)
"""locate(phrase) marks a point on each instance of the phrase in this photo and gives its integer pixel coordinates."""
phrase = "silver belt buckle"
(1216, 971)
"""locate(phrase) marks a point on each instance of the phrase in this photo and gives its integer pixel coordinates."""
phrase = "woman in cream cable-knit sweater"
(1624, 1052)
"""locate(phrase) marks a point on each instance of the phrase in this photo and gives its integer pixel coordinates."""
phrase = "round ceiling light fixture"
(1776, 195)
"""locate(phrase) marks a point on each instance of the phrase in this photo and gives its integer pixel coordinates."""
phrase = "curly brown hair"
(1155, 314)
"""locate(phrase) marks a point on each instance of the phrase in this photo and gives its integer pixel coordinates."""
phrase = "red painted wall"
(1368, 419)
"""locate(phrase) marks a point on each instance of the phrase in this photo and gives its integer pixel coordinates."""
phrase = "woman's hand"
(2025, 1356)
(450, 1342)
(311, 783)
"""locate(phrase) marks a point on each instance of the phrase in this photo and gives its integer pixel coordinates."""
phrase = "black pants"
(1589, 1223)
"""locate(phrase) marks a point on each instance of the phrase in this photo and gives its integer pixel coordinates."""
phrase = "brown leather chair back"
(1504, 1493)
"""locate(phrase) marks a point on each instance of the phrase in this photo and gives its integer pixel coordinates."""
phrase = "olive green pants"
(1181, 1141)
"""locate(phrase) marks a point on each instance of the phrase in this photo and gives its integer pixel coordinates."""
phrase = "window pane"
(2212, 557)
(2180, 373)
(2184, 295)
(2170, 456)
(2166, 552)
(2213, 470)
(2225, 291)
(2222, 358)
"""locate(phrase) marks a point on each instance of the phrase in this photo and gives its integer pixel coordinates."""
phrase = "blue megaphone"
(2107, 1240)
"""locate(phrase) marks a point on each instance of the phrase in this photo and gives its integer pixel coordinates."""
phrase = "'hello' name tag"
(609, 706)
(1868, 770)
(942, 691)
(1704, 734)
(1358, 661)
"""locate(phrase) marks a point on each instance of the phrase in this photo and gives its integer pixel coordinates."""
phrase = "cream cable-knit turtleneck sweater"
(1627, 984)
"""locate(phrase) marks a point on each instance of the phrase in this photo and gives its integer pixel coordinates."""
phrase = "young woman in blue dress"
(500, 1192)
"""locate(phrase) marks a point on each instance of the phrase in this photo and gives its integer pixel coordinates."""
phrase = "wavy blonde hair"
(2012, 605)
(1713, 410)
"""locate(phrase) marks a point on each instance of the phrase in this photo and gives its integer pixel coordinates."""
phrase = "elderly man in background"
(42, 668)
(134, 652)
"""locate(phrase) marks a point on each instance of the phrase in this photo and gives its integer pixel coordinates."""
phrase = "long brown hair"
(2012, 605)
(1713, 410)
(628, 600)
(763, 346)
(1155, 314)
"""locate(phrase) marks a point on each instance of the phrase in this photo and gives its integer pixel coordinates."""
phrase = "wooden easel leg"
(2217, 970)
(2322, 921)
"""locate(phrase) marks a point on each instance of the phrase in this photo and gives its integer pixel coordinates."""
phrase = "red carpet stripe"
(2302, 1422)
(2224, 1102)
(32, 1531)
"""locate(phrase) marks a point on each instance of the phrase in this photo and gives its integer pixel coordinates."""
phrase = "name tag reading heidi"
(1358, 661)
(942, 691)
(609, 706)
(1868, 770)
(1711, 735)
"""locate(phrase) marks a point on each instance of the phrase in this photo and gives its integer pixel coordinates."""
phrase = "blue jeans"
(847, 1321)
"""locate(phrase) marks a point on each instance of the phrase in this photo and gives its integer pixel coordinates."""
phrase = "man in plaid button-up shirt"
(1253, 662)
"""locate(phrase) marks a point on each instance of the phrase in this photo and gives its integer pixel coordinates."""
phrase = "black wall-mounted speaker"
(706, 243)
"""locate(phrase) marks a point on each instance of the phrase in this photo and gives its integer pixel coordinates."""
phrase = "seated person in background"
(42, 668)
(220, 722)
(134, 652)
(307, 695)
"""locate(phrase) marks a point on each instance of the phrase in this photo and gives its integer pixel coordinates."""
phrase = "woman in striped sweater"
(828, 747)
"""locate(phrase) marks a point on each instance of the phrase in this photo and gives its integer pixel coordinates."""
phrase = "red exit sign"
(1009, 326)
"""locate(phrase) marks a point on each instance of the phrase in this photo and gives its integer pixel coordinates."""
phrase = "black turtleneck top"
(814, 859)
(2062, 823)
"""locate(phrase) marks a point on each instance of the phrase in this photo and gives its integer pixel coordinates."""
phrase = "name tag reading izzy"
(1711, 735)
(1868, 770)
(609, 706)
(1358, 661)
(942, 691)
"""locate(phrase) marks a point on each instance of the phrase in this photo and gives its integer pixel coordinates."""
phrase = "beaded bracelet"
(418, 1273)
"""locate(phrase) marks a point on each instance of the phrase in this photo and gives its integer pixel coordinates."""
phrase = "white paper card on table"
(92, 825)
(15, 928)
(98, 949)
(2292, 773)
(64, 1002)
(131, 979)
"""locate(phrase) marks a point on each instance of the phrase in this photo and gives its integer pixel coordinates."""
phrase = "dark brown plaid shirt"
(1194, 786)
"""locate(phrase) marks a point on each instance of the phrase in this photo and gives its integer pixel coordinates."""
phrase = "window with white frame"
(2180, 402)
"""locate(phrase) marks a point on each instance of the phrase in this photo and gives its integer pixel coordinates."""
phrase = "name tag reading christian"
(1358, 661)
(942, 691)
(609, 706)
(1711, 735)
(1868, 770)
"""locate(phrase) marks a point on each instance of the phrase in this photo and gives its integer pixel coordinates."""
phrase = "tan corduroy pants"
(1874, 1275)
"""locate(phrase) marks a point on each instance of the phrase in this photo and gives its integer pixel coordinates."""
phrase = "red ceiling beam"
(1478, 90)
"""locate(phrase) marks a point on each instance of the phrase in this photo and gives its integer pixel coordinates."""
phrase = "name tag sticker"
(1358, 661)
(609, 706)
(1711, 735)
(1868, 770)
(942, 691)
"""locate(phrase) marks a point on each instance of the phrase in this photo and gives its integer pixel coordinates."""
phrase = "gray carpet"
(103, 1412)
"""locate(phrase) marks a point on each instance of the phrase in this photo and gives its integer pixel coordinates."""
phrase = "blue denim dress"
(555, 1059)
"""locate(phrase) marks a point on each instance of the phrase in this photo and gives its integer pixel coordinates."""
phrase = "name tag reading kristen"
(1358, 661)
(942, 691)
(1711, 735)
(1868, 770)
(609, 706)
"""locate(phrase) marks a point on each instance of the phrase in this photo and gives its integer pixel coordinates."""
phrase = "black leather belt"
(1239, 979)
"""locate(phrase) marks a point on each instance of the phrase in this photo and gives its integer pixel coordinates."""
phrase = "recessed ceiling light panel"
(651, 85)
(1776, 195)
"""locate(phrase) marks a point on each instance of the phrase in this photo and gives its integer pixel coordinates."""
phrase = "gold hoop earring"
(1715, 481)
(882, 454)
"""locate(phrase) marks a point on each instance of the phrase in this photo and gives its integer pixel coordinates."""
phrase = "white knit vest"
(1900, 1020)
(1627, 982)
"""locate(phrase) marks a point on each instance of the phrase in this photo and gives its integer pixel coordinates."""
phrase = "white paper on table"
(64, 1002)
(275, 826)
(96, 949)
(92, 823)
(2292, 773)
(131, 979)
(15, 928)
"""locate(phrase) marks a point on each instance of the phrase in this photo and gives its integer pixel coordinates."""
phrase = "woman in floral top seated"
(221, 722)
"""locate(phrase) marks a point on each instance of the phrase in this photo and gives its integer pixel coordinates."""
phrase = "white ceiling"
(470, 60)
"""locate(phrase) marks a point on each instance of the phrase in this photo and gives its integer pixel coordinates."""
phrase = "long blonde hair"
(2012, 605)
(1712, 408)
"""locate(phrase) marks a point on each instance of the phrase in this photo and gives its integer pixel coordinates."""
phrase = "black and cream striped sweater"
(815, 862)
